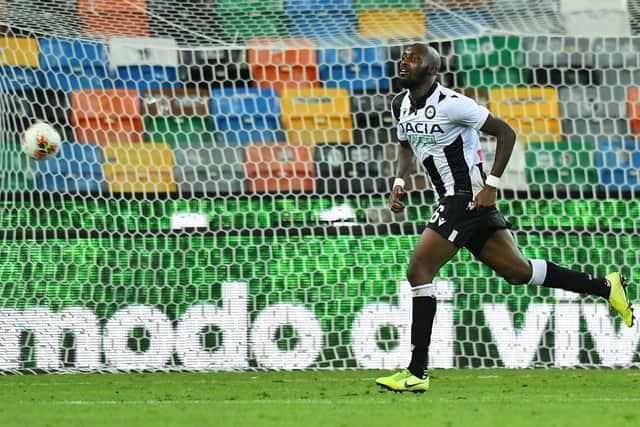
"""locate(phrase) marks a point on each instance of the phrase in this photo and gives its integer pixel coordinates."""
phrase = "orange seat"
(116, 24)
(279, 168)
(139, 168)
(317, 115)
(97, 6)
(633, 108)
(107, 18)
(280, 63)
(106, 116)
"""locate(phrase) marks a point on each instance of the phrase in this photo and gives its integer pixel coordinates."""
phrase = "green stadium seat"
(178, 129)
(244, 24)
(494, 51)
(177, 116)
(564, 166)
(15, 174)
(231, 6)
(487, 78)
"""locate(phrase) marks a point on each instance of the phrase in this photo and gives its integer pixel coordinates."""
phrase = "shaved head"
(419, 65)
(430, 56)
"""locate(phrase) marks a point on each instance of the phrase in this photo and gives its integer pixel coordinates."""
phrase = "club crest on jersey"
(430, 112)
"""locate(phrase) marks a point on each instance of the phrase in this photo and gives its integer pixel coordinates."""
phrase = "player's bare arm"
(505, 140)
(405, 160)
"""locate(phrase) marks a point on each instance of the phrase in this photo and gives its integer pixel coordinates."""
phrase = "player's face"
(412, 70)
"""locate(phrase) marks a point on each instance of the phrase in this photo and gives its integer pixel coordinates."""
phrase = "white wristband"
(492, 181)
(398, 182)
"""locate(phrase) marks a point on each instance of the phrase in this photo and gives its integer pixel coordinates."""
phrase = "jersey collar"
(422, 101)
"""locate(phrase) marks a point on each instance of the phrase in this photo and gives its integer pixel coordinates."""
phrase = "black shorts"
(465, 228)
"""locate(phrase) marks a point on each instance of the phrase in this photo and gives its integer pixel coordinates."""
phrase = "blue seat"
(355, 69)
(73, 64)
(321, 19)
(77, 168)
(245, 115)
(458, 23)
(17, 78)
(66, 53)
(618, 163)
(146, 77)
(292, 6)
(322, 24)
(75, 78)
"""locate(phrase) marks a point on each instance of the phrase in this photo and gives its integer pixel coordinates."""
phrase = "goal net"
(220, 198)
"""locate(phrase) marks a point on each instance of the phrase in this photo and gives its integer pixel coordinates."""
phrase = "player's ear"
(433, 69)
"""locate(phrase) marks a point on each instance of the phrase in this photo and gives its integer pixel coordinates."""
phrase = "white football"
(41, 141)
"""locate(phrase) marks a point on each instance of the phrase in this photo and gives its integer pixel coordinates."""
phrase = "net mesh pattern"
(220, 198)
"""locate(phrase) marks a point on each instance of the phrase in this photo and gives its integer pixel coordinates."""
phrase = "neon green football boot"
(404, 381)
(619, 299)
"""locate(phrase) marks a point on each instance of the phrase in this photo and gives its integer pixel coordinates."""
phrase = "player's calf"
(613, 287)
(519, 274)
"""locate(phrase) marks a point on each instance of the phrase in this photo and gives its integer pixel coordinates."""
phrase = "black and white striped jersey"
(442, 131)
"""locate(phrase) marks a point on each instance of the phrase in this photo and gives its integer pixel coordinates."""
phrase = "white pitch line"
(194, 402)
(309, 401)
(57, 384)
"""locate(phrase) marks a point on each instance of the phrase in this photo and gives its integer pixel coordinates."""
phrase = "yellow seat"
(392, 24)
(139, 168)
(316, 115)
(19, 51)
(533, 112)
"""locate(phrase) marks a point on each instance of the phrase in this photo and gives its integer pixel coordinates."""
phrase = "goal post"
(220, 200)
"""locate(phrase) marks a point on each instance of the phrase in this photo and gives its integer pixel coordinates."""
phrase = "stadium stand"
(104, 18)
(73, 64)
(138, 168)
(271, 113)
(177, 115)
(317, 115)
(279, 168)
(281, 63)
(247, 115)
(107, 115)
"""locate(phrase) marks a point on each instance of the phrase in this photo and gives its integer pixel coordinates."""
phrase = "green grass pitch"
(324, 398)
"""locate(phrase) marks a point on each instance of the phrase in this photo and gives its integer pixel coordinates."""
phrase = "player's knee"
(418, 275)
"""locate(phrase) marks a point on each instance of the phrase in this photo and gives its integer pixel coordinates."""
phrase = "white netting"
(220, 201)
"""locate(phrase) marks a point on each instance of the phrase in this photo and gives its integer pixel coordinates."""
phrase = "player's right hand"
(395, 200)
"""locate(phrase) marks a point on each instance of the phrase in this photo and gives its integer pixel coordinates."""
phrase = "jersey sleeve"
(402, 136)
(466, 112)
(396, 103)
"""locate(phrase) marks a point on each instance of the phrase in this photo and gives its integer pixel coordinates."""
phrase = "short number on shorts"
(436, 214)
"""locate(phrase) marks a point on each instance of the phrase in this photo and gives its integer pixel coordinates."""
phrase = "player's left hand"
(485, 200)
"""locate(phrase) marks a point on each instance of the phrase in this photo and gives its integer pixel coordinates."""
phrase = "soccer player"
(439, 127)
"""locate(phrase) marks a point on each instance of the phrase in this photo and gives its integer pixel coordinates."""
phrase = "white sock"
(427, 290)
(538, 271)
